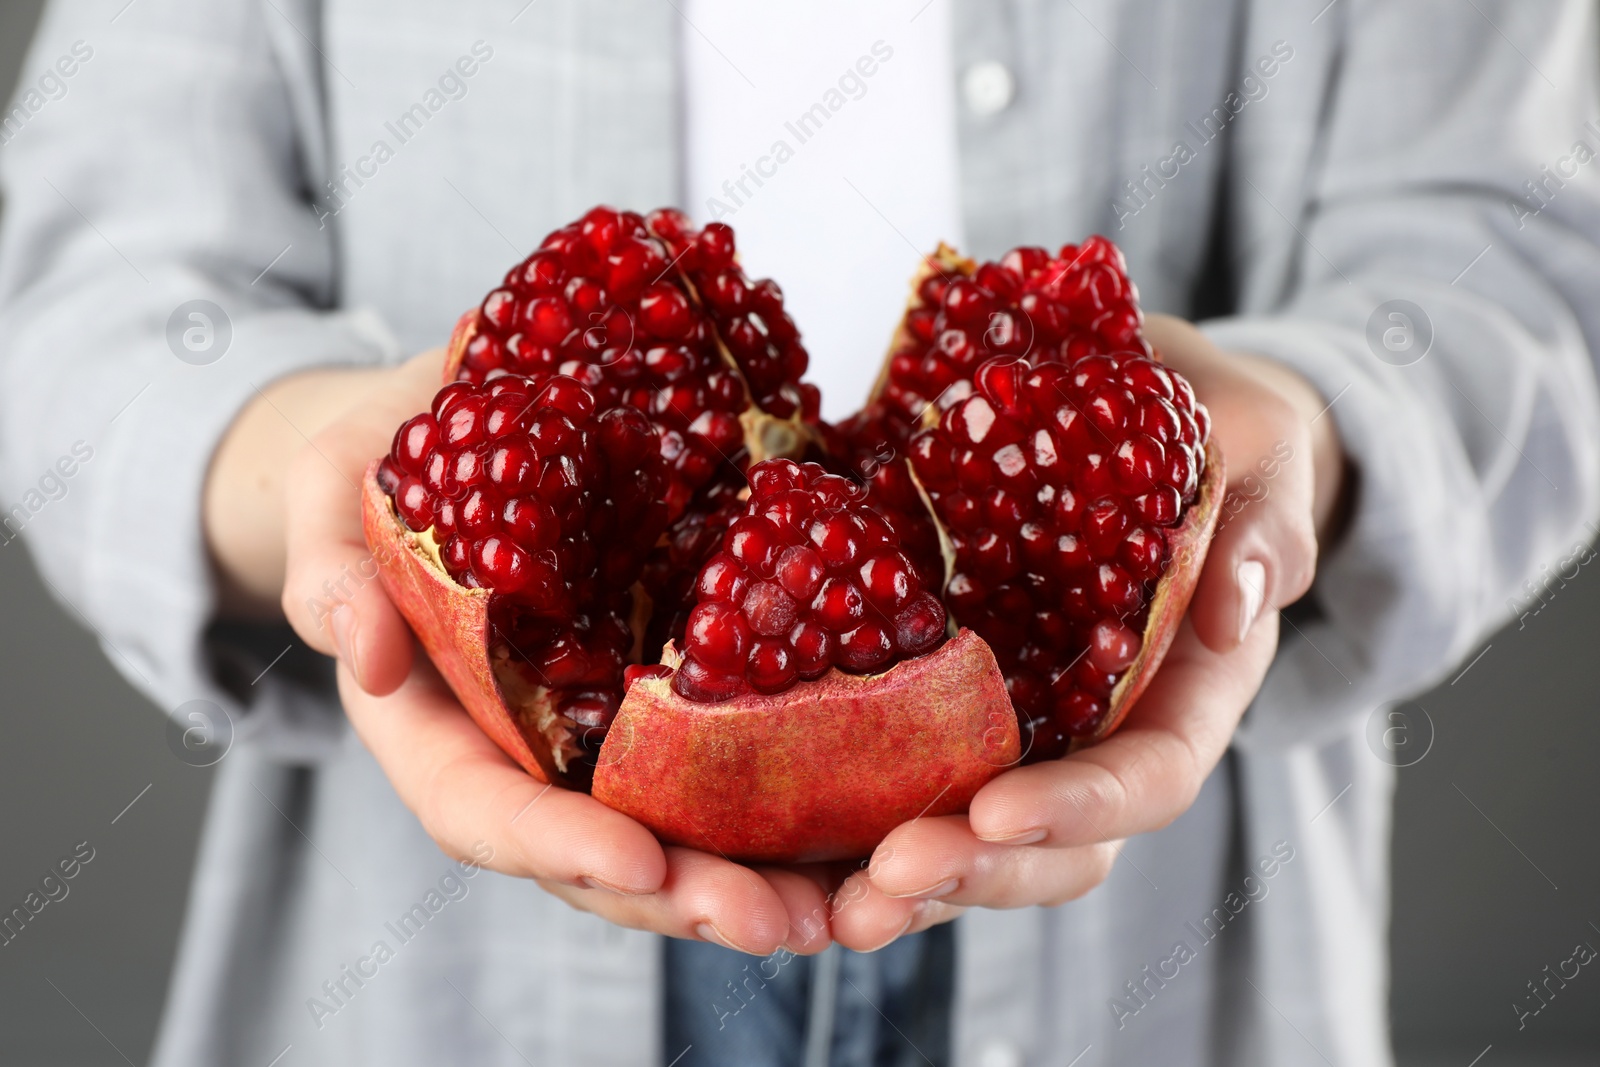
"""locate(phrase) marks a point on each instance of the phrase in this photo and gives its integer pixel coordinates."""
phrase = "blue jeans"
(890, 1008)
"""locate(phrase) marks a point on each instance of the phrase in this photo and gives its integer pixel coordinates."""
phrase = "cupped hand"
(471, 798)
(1050, 832)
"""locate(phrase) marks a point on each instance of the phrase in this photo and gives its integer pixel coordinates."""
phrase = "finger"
(1264, 552)
(1149, 771)
(468, 794)
(865, 920)
(703, 898)
(805, 900)
(1264, 418)
(940, 859)
(331, 594)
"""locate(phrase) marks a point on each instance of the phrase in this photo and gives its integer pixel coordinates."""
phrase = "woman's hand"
(467, 793)
(462, 788)
(1050, 832)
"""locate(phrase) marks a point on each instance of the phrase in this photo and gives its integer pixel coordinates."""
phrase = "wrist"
(243, 503)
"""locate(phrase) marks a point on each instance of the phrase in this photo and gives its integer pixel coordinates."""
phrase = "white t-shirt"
(824, 133)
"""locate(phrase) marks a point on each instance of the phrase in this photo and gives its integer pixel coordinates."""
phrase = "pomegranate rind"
(452, 622)
(1187, 544)
(821, 772)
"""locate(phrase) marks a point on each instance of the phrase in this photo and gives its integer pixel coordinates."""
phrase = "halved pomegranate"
(601, 538)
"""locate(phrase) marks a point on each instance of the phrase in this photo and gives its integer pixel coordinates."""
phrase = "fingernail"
(944, 888)
(1252, 576)
(591, 882)
(1025, 837)
(707, 932)
(898, 933)
(344, 636)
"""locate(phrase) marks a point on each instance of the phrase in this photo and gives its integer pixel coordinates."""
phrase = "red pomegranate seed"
(413, 503)
(839, 604)
(769, 610)
(717, 636)
(416, 437)
(699, 682)
(887, 581)
(866, 648)
(1112, 646)
(754, 542)
(771, 666)
(500, 564)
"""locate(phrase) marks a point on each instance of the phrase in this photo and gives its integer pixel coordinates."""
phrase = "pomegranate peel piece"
(452, 622)
(820, 772)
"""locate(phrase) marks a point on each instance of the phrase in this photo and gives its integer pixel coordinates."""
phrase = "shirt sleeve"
(160, 264)
(1432, 269)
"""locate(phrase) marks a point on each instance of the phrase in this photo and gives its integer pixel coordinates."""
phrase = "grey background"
(1496, 862)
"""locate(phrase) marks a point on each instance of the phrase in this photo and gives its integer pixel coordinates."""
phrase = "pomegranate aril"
(699, 682)
(717, 636)
(499, 307)
(444, 518)
(389, 475)
(478, 515)
(769, 610)
(839, 604)
(416, 437)
(413, 504)
(1115, 590)
(530, 522)
(1161, 505)
(715, 245)
(800, 572)
(567, 396)
(1112, 646)
(754, 542)
(513, 467)
(920, 626)
(887, 581)
(500, 564)
(1078, 713)
(813, 646)
(771, 666)
(547, 320)
(627, 437)
(1103, 525)
(1137, 462)
(1143, 552)
(866, 648)
(456, 555)
(837, 539)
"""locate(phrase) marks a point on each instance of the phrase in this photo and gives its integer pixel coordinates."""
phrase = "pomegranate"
(602, 536)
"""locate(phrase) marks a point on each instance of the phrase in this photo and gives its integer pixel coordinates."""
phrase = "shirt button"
(999, 1054)
(988, 87)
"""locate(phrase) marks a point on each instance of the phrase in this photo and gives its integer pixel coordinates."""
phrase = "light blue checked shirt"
(1281, 169)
